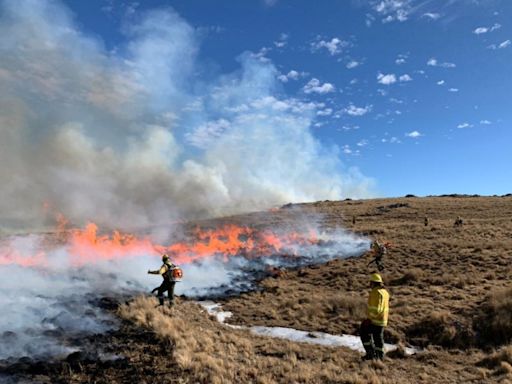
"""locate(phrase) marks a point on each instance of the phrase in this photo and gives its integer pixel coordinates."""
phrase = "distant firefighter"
(372, 329)
(353, 219)
(458, 222)
(425, 220)
(171, 274)
(378, 251)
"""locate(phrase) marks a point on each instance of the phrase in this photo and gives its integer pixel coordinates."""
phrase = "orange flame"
(87, 246)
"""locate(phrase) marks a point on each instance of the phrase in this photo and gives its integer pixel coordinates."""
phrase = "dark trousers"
(168, 286)
(372, 337)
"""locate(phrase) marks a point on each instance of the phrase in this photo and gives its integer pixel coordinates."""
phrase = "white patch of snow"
(319, 338)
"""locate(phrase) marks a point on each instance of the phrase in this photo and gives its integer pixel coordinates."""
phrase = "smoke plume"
(134, 136)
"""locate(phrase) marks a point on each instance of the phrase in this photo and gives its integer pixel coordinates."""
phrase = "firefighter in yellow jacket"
(168, 283)
(372, 329)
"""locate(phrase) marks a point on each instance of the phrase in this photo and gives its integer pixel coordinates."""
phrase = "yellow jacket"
(378, 306)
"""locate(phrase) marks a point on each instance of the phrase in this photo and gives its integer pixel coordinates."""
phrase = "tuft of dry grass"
(494, 321)
(442, 328)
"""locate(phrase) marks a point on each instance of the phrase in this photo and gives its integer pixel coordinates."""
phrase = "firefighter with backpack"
(171, 274)
(378, 250)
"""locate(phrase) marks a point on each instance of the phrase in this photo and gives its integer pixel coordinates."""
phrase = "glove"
(366, 323)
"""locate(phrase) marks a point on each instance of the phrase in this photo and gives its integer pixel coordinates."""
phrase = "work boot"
(369, 355)
(379, 355)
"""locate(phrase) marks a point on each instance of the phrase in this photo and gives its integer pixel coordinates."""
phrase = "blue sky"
(136, 112)
(416, 94)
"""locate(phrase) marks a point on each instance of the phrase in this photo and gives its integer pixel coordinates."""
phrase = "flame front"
(87, 245)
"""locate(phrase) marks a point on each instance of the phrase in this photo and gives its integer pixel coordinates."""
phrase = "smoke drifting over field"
(48, 305)
(135, 136)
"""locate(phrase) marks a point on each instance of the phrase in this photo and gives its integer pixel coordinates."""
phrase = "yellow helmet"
(376, 278)
(165, 257)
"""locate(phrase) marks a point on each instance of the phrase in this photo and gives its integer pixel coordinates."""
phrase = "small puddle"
(320, 338)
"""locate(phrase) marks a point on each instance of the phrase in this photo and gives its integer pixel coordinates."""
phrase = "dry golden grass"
(212, 353)
(208, 352)
(430, 269)
(442, 280)
(494, 323)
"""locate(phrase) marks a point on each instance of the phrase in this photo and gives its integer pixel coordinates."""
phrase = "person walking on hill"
(372, 329)
(378, 251)
(168, 284)
(458, 222)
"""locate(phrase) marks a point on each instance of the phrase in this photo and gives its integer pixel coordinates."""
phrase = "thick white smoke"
(45, 307)
(133, 136)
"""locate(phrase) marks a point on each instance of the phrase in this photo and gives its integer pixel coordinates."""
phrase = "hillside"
(450, 294)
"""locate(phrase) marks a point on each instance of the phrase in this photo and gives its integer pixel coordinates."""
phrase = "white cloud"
(350, 127)
(464, 125)
(434, 63)
(291, 75)
(400, 61)
(431, 15)
(392, 10)
(352, 110)
(440, 82)
(505, 44)
(453, 90)
(481, 30)
(362, 143)
(334, 46)
(261, 54)
(282, 41)
(485, 122)
(405, 77)
(369, 19)
(386, 79)
(346, 149)
(502, 45)
(314, 86)
(353, 81)
(413, 134)
(392, 140)
(352, 64)
(325, 112)
(294, 75)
